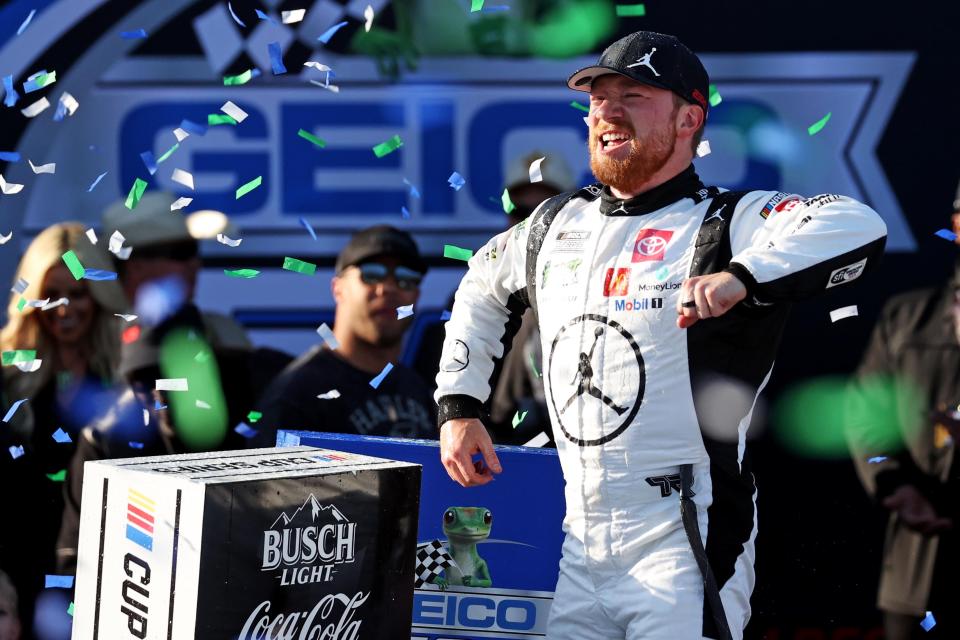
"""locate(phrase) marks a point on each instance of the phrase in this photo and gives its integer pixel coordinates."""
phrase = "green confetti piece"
(292, 264)
(168, 153)
(45, 79)
(20, 355)
(253, 416)
(507, 203)
(250, 186)
(476, 5)
(241, 273)
(581, 107)
(136, 192)
(58, 476)
(518, 418)
(389, 146)
(715, 98)
(450, 251)
(243, 78)
(21, 304)
(533, 366)
(819, 124)
(306, 135)
(70, 609)
(213, 119)
(631, 10)
(73, 263)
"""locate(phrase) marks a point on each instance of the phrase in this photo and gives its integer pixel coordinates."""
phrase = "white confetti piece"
(404, 312)
(319, 66)
(172, 384)
(535, 174)
(20, 286)
(202, 405)
(538, 441)
(92, 235)
(36, 108)
(43, 168)
(146, 417)
(127, 317)
(55, 304)
(703, 149)
(293, 16)
(116, 246)
(234, 111)
(329, 395)
(29, 367)
(230, 242)
(843, 312)
(180, 203)
(68, 103)
(183, 177)
(37, 304)
(327, 334)
(368, 16)
(5, 239)
(180, 134)
(9, 188)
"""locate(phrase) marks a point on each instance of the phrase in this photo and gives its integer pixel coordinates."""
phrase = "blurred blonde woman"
(78, 344)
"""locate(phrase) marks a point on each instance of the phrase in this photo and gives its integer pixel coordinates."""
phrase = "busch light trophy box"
(299, 543)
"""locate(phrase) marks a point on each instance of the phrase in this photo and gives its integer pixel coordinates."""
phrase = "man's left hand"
(708, 297)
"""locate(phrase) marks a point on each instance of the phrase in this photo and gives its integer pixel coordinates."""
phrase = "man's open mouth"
(613, 140)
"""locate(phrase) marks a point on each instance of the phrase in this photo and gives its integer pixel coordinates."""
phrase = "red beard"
(646, 158)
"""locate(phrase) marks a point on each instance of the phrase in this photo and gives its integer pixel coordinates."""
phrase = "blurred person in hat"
(378, 273)
(904, 447)
(647, 286)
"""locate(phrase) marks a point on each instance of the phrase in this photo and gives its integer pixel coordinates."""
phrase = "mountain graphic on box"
(309, 517)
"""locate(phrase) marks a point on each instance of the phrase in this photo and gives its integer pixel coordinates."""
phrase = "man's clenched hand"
(460, 439)
(711, 296)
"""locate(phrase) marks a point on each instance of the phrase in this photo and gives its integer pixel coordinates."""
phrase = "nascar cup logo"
(309, 543)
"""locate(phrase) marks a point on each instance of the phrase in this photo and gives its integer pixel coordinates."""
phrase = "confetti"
(29, 367)
(389, 146)
(9, 156)
(329, 87)
(451, 251)
(703, 149)
(234, 111)
(230, 242)
(15, 452)
(375, 383)
(413, 190)
(876, 459)
(21, 304)
(55, 304)
(201, 404)
(306, 135)
(146, 417)
(946, 234)
(368, 18)
(928, 622)
(183, 177)
(70, 609)
(39, 80)
(243, 78)
(293, 16)
(234, 15)
(405, 213)
(292, 264)
(180, 134)
(180, 203)
(536, 175)
(241, 273)
(326, 334)
(100, 274)
(276, 59)
(61, 436)
(115, 246)
(631, 10)
(25, 23)
(36, 304)
(818, 125)
(533, 367)
(715, 97)
(18, 355)
(5, 239)
(73, 263)
(329, 395)
(20, 286)
(456, 181)
(253, 416)
(11, 96)
(58, 582)
(518, 418)
(139, 34)
(59, 476)
(9, 188)
(404, 311)
(476, 5)
(149, 162)
(97, 181)
(126, 317)
(172, 384)
(67, 105)
(136, 192)
(507, 203)
(306, 225)
(250, 186)
(168, 153)
(445, 316)
(263, 16)
(495, 8)
(245, 430)
(215, 119)
(843, 312)
(539, 440)
(319, 66)
(325, 37)
(12, 410)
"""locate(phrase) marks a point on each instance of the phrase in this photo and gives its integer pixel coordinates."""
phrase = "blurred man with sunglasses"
(377, 273)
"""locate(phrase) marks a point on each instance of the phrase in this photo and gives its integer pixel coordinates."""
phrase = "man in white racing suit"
(649, 288)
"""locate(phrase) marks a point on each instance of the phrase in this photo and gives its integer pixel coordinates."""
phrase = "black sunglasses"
(375, 273)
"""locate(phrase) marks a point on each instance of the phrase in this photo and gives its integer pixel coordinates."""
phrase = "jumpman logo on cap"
(644, 61)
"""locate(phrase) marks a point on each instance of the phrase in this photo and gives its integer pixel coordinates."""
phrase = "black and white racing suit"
(623, 383)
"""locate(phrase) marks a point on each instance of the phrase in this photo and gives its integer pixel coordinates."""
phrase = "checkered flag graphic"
(432, 558)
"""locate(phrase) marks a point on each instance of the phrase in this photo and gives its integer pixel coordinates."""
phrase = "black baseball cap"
(656, 59)
(381, 240)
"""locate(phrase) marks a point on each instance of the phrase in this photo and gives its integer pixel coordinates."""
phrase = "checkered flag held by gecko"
(432, 558)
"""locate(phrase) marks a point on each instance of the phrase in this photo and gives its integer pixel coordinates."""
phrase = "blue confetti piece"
(876, 459)
(15, 452)
(97, 181)
(234, 15)
(383, 374)
(263, 16)
(61, 436)
(444, 316)
(405, 213)
(946, 234)
(11, 94)
(149, 161)
(25, 23)
(325, 38)
(193, 128)
(61, 111)
(135, 445)
(495, 8)
(245, 430)
(58, 582)
(928, 622)
(9, 156)
(456, 181)
(13, 409)
(413, 190)
(157, 405)
(306, 225)
(98, 274)
(276, 58)
(139, 34)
